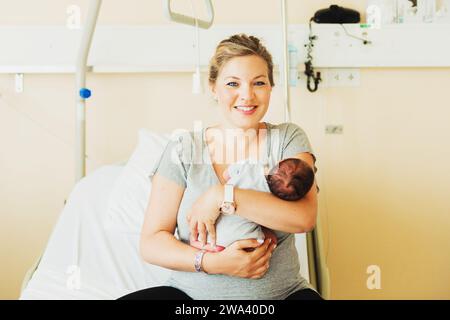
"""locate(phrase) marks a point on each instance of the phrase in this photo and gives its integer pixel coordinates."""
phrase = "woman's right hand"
(237, 260)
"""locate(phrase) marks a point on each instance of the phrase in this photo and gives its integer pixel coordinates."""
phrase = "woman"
(189, 195)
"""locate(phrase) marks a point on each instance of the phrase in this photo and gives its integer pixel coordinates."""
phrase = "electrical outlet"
(334, 129)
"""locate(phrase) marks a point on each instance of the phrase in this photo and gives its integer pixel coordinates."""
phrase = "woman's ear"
(213, 91)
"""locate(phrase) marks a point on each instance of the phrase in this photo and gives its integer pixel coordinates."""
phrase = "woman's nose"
(246, 93)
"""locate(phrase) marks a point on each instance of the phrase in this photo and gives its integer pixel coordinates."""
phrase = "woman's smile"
(246, 110)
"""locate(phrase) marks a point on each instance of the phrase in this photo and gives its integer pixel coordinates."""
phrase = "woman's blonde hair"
(238, 45)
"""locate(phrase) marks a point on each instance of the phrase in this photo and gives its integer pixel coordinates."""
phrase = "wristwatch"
(228, 207)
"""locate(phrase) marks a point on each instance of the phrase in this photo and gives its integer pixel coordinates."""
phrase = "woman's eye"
(260, 83)
(232, 84)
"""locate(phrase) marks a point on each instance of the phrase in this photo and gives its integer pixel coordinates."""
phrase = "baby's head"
(291, 179)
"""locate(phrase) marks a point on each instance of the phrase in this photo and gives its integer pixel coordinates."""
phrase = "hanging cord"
(197, 38)
(309, 69)
(365, 41)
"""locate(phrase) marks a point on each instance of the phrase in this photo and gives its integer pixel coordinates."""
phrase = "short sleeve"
(296, 141)
(171, 164)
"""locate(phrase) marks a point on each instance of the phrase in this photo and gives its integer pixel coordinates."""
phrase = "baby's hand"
(270, 234)
(208, 247)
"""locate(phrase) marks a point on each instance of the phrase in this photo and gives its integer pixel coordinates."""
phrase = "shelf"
(150, 49)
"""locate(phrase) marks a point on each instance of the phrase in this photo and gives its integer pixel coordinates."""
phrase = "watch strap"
(228, 193)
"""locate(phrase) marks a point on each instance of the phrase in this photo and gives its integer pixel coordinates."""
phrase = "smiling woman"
(191, 197)
(241, 79)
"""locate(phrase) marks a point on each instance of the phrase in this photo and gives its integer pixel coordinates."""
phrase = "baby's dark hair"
(291, 179)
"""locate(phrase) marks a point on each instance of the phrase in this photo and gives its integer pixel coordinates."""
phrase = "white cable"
(285, 73)
(197, 37)
(197, 83)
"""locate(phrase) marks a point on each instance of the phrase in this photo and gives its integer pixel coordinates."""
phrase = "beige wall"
(384, 182)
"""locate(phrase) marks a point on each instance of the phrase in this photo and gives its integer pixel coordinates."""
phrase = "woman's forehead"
(246, 67)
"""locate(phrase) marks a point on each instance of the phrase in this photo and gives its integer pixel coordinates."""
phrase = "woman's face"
(243, 91)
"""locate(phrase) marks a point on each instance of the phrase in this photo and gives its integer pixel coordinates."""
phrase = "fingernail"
(260, 240)
(274, 246)
(270, 240)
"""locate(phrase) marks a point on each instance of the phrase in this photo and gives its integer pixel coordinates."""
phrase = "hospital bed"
(87, 257)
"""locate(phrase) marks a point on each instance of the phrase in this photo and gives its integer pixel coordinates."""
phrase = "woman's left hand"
(204, 213)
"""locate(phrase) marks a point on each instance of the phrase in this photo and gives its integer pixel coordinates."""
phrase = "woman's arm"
(266, 209)
(159, 246)
(262, 208)
(157, 235)
(277, 214)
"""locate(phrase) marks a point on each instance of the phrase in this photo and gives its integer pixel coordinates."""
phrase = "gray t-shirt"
(186, 161)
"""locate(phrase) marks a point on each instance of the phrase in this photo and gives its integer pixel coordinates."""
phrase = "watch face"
(227, 208)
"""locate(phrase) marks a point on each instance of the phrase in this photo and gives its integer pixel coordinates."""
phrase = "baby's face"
(291, 179)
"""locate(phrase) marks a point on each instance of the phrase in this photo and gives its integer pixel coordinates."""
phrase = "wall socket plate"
(334, 129)
(336, 77)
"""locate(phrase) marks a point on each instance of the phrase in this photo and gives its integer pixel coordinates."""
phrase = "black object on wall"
(336, 14)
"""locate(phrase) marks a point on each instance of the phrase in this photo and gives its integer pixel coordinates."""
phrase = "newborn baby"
(290, 180)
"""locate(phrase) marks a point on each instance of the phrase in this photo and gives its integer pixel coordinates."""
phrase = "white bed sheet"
(107, 261)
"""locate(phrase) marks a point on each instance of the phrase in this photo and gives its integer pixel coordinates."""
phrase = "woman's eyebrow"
(233, 77)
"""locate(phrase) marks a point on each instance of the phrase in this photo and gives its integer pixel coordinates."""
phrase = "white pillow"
(129, 197)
